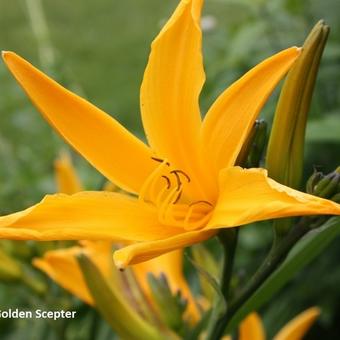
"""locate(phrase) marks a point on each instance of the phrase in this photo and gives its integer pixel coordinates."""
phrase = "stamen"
(179, 182)
(198, 202)
(166, 205)
(188, 215)
(166, 197)
(177, 171)
(150, 181)
(160, 196)
(178, 197)
(160, 160)
(168, 182)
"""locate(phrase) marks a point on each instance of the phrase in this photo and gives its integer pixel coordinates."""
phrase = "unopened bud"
(313, 181)
(286, 142)
(328, 186)
(285, 153)
(252, 150)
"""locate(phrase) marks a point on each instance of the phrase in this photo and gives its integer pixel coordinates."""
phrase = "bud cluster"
(325, 186)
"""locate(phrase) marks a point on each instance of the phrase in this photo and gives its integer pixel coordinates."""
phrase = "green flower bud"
(313, 181)
(285, 152)
(328, 185)
(286, 142)
(252, 150)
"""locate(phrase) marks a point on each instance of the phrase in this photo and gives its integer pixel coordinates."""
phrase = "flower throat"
(165, 189)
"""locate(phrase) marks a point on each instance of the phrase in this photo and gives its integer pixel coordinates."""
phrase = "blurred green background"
(99, 49)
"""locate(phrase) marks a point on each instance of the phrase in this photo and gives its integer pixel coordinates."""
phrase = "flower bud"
(252, 150)
(285, 152)
(286, 142)
(328, 186)
(313, 181)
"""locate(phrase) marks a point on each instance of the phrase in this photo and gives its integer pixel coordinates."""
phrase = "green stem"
(228, 239)
(275, 257)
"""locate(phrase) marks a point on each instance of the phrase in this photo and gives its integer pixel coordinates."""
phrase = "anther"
(160, 160)
(198, 202)
(168, 182)
(179, 182)
(177, 171)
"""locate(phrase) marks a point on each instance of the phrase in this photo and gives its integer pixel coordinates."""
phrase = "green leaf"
(302, 254)
(114, 306)
(222, 304)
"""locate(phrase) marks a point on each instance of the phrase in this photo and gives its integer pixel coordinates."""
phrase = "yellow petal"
(62, 266)
(251, 328)
(108, 146)
(86, 215)
(171, 86)
(248, 195)
(67, 179)
(231, 117)
(144, 251)
(298, 327)
(170, 264)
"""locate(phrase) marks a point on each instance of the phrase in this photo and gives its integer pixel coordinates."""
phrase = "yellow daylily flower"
(252, 328)
(62, 266)
(186, 180)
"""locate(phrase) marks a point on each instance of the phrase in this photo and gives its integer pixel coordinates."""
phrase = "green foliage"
(303, 253)
(101, 48)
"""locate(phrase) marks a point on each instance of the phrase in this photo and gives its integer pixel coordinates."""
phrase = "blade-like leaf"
(302, 254)
(113, 306)
(213, 282)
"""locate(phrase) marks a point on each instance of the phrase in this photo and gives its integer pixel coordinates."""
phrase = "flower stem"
(228, 239)
(275, 257)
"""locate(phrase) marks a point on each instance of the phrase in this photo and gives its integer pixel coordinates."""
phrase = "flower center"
(166, 189)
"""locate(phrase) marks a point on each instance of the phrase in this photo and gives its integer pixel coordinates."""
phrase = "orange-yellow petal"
(248, 195)
(298, 327)
(67, 179)
(171, 86)
(86, 215)
(251, 328)
(170, 264)
(231, 117)
(144, 251)
(62, 266)
(108, 146)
